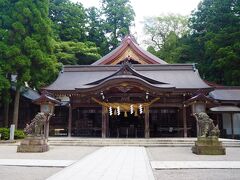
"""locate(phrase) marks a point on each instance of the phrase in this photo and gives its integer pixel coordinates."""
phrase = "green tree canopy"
(164, 34)
(216, 33)
(69, 20)
(118, 16)
(72, 53)
(28, 43)
(96, 30)
(158, 29)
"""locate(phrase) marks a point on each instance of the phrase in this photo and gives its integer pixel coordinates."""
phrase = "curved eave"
(112, 82)
(131, 70)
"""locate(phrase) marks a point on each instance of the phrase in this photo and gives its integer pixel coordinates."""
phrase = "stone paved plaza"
(109, 161)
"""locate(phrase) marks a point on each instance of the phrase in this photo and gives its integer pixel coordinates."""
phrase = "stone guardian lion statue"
(206, 125)
(37, 124)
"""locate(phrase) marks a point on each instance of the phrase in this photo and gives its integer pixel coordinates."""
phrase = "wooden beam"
(232, 128)
(146, 120)
(167, 105)
(69, 120)
(184, 122)
(104, 122)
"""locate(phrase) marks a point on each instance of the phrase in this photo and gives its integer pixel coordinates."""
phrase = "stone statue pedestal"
(33, 144)
(208, 146)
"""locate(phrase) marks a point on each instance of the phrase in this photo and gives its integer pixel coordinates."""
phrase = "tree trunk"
(5, 115)
(16, 108)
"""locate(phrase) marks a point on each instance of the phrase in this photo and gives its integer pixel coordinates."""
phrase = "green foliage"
(5, 134)
(164, 34)
(4, 65)
(163, 29)
(216, 31)
(19, 134)
(212, 41)
(96, 31)
(76, 52)
(69, 20)
(119, 16)
(27, 42)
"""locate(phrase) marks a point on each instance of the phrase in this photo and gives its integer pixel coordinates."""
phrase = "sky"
(148, 8)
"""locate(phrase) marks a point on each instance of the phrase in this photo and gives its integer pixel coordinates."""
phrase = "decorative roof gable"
(130, 50)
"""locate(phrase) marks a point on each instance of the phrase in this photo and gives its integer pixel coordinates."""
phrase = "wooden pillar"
(107, 124)
(146, 120)
(184, 122)
(104, 122)
(46, 127)
(232, 128)
(69, 120)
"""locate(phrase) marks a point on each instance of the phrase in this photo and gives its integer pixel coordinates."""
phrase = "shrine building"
(132, 93)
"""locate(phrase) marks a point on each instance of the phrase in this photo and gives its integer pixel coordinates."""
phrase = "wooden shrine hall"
(129, 93)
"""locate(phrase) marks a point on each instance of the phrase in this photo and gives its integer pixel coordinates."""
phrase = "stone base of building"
(33, 144)
(208, 146)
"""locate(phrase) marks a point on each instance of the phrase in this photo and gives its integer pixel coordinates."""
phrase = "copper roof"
(226, 94)
(180, 76)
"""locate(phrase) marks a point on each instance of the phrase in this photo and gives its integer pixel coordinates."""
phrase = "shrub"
(19, 134)
(5, 134)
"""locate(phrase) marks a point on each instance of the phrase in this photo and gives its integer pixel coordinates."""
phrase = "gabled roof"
(180, 76)
(129, 49)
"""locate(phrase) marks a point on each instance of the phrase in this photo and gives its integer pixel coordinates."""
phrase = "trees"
(69, 52)
(163, 35)
(118, 17)
(216, 32)
(158, 29)
(105, 26)
(96, 30)
(29, 52)
(69, 20)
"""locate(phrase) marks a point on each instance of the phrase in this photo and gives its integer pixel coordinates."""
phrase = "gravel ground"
(185, 154)
(197, 174)
(55, 153)
(26, 173)
(39, 173)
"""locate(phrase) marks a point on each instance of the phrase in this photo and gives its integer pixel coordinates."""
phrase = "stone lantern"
(198, 104)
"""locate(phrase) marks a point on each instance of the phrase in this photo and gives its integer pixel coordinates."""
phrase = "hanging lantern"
(125, 114)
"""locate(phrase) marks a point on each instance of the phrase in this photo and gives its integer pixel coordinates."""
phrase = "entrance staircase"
(151, 142)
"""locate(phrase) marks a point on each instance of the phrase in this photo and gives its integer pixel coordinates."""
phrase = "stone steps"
(152, 142)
